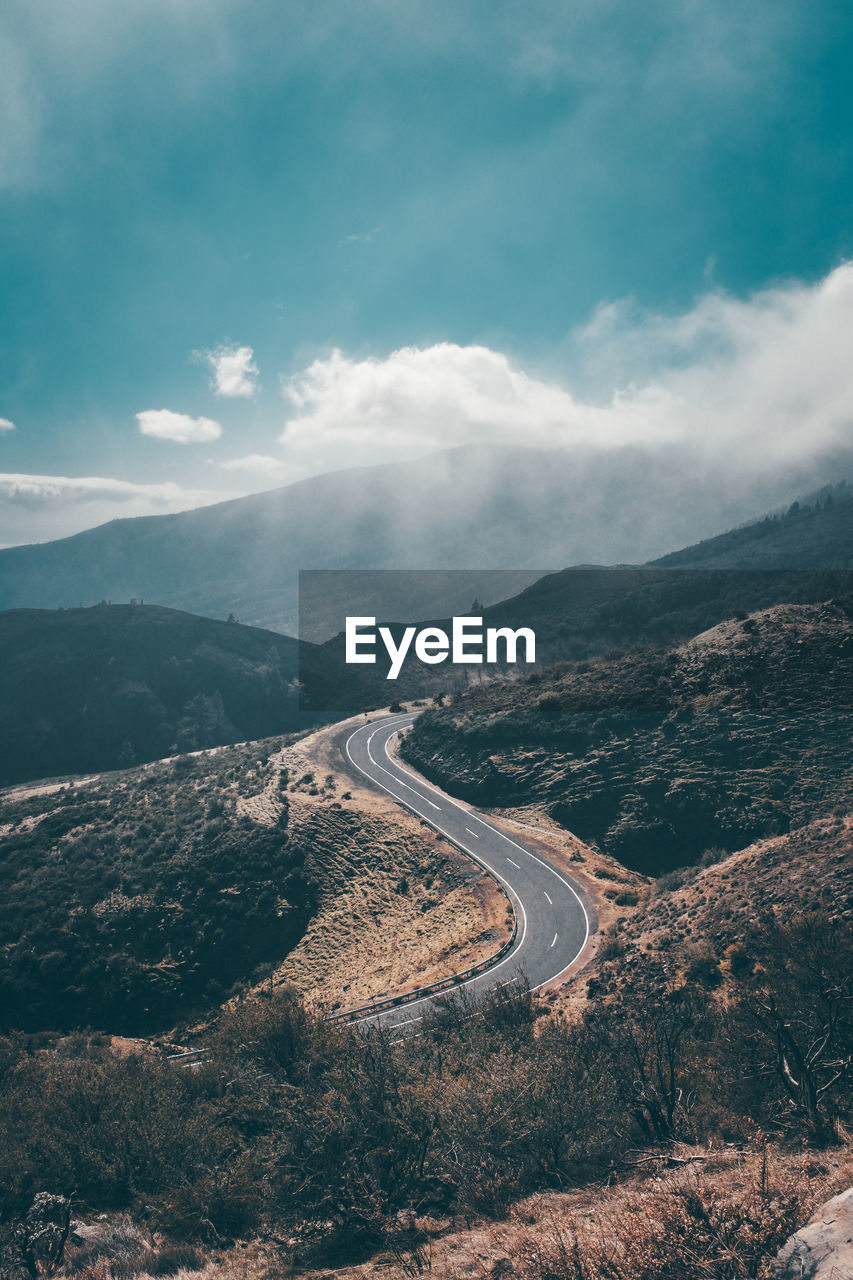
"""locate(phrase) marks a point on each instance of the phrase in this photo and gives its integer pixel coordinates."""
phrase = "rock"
(823, 1248)
(43, 1233)
(83, 1232)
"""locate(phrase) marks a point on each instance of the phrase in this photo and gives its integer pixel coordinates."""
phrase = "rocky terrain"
(700, 918)
(659, 755)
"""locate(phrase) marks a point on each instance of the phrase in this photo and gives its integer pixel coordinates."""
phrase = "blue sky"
(384, 222)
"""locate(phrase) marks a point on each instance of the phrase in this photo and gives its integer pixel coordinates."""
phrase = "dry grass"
(398, 905)
(122, 1251)
(693, 1214)
(722, 1216)
(809, 869)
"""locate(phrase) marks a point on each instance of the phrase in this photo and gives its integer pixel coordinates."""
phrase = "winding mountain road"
(553, 924)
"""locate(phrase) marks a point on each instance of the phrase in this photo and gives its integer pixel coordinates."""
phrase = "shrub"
(690, 1230)
(173, 1257)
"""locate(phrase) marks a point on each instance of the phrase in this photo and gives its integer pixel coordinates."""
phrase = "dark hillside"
(581, 613)
(803, 556)
(101, 688)
(810, 535)
(660, 754)
(143, 898)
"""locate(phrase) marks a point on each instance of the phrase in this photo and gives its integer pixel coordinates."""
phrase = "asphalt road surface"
(553, 924)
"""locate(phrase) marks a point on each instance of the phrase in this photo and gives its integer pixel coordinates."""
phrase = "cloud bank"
(762, 381)
(37, 508)
(162, 424)
(6, 425)
(743, 389)
(234, 370)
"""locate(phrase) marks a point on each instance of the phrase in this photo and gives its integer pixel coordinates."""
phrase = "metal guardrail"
(455, 979)
(433, 988)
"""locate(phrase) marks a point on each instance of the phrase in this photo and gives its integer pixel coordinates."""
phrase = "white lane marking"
(513, 954)
(494, 830)
(548, 897)
(472, 833)
(554, 939)
(408, 1021)
(399, 781)
(572, 890)
(517, 865)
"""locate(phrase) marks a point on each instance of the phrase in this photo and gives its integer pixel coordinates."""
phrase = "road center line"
(517, 902)
(399, 781)
(548, 896)
(554, 939)
(517, 865)
(472, 833)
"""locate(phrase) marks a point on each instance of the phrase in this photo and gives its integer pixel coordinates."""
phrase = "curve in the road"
(553, 924)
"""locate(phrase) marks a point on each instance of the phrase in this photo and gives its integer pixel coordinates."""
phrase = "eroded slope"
(659, 755)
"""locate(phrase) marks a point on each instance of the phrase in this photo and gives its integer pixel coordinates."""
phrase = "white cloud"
(36, 508)
(432, 397)
(761, 379)
(234, 370)
(6, 425)
(165, 425)
(254, 464)
(756, 381)
(45, 490)
(364, 237)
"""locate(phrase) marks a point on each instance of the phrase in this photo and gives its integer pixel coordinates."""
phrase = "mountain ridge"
(481, 506)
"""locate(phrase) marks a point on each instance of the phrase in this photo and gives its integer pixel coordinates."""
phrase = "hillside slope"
(137, 900)
(658, 755)
(89, 689)
(471, 507)
(703, 919)
(803, 556)
(816, 535)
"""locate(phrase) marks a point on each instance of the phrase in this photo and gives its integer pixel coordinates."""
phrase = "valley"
(680, 759)
(426, 640)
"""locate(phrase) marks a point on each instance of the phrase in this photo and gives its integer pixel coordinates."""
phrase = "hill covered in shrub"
(133, 902)
(660, 754)
(105, 687)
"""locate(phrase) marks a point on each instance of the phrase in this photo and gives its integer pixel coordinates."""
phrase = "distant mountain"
(816, 535)
(472, 507)
(803, 556)
(105, 687)
(100, 687)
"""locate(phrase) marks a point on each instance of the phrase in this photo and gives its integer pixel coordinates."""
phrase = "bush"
(173, 1257)
(686, 1230)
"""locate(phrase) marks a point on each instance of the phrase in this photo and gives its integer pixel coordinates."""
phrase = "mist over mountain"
(801, 555)
(489, 507)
